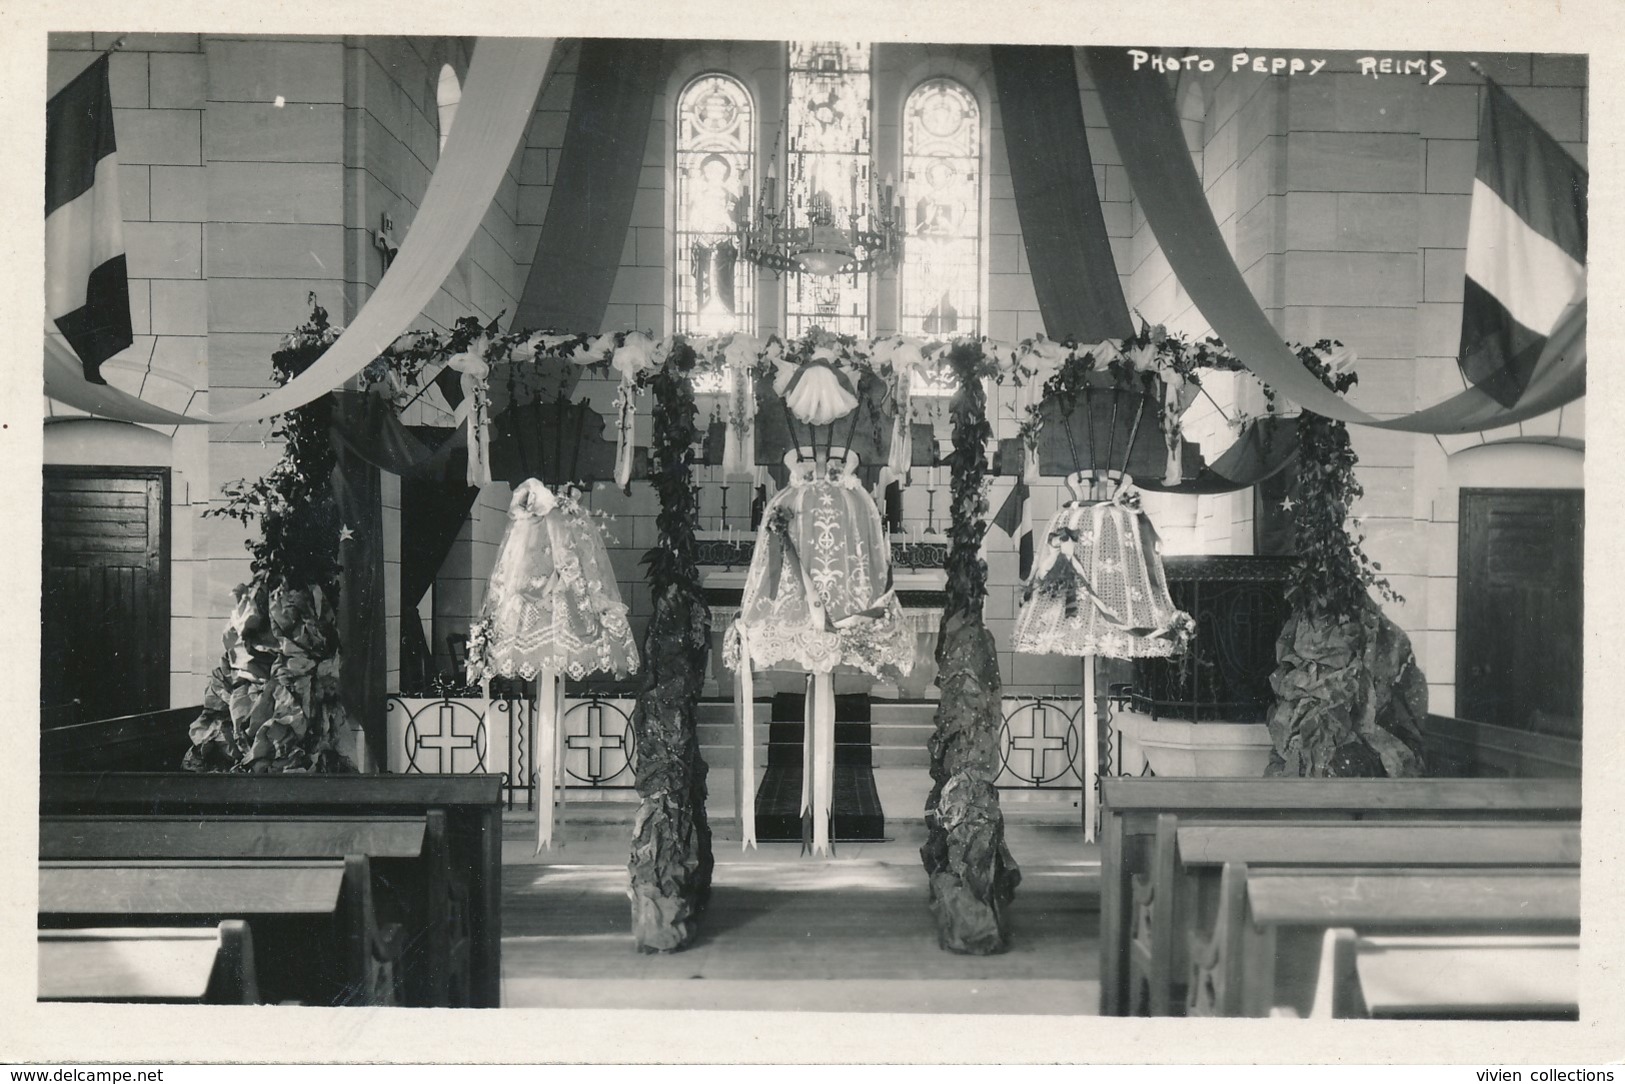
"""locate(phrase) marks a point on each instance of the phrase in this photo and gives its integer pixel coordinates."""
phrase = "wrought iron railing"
(1239, 605)
(470, 736)
(1041, 744)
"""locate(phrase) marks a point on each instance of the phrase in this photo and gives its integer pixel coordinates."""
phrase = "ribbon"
(626, 411)
(474, 412)
(902, 442)
(818, 762)
(739, 447)
(547, 754)
(1091, 753)
(745, 709)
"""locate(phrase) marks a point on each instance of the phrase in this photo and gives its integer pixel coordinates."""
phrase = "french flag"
(1526, 247)
(87, 288)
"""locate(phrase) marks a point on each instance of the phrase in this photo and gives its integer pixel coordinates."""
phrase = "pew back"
(146, 964)
(1130, 808)
(471, 805)
(1264, 949)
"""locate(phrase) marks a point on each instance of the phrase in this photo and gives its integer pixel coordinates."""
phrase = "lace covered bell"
(1098, 587)
(819, 591)
(551, 602)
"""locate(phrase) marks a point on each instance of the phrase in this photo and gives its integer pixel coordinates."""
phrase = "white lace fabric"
(818, 594)
(1098, 589)
(552, 601)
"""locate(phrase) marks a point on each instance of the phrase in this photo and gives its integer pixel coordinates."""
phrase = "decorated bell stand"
(551, 609)
(819, 591)
(1097, 585)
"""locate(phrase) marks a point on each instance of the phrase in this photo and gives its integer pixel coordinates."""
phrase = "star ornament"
(1287, 504)
(345, 534)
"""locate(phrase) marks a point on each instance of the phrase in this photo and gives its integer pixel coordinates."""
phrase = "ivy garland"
(273, 703)
(293, 503)
(968, 487)
(1332, 576)
(674, 572)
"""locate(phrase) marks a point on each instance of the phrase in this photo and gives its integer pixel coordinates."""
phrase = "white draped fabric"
(504, 78)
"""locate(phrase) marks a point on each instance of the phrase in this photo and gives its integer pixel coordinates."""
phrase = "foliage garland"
(293, 504)
(273, 703)
(965, 569)
(1332, 576)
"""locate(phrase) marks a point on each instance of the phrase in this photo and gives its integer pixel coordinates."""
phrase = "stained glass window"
(827, 167)
(715, 289)
(941, 276)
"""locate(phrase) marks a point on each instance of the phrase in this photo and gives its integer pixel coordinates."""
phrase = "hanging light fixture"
(816, 236)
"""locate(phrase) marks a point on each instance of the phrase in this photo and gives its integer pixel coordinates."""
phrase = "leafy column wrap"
(671, 846)
(273, 704)
(1349, 697)
(972, 874)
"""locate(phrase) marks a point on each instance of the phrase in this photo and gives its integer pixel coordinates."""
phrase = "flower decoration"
(634, 356)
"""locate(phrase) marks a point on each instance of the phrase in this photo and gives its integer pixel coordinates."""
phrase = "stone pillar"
(972, 874)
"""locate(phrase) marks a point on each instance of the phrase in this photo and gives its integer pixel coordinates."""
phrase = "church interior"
(875, 527)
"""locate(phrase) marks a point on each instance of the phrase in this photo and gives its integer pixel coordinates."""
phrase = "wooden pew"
(324, 942)
(1177, 893)
(1264, 948)
(1130, 808)
(472, 805)
(1497, 977)
(409, 858)
(153, 741)
(207, 966)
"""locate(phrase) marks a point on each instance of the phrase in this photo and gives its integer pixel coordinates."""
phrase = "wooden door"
(104, 613)
(1519, 608)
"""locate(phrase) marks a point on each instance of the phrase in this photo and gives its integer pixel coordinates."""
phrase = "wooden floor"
(848, 934)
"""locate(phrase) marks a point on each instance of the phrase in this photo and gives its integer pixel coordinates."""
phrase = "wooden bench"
(1180, 889)
(207, 966)
(153, 741)
(409, 858)
(319, 938)
(471, 804)
(1265, 945)
(1496, 977)
(1130, 808)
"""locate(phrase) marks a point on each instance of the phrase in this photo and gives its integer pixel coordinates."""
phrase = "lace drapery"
(551, 602)
(1098, 587)
(818, 594)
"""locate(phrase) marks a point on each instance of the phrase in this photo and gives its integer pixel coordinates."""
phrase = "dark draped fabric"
(368, 428)
(579, 251)
(1108, 428)
(433, 512)
(557, 442)
(358, 489)
(1062, 226)
(1268, 447)
(1140, 108)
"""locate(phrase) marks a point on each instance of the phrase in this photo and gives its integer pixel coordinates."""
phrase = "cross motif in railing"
(595, 741)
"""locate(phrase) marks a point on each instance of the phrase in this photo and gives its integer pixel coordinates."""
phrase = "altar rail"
(473, 736)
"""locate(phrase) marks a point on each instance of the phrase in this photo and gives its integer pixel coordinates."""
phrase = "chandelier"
(808, 235)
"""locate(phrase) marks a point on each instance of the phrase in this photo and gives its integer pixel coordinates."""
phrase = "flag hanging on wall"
(1526, 247)
(87, 288)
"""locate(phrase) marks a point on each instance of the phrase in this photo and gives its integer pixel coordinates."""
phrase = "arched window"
(827, 162)
(942, 197)
(715, 146)
(448, 92)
